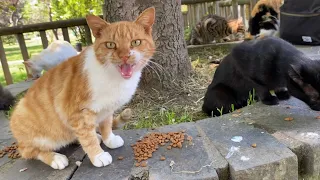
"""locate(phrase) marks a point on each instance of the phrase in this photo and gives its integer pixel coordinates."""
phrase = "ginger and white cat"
(69, 101)
(57, 52)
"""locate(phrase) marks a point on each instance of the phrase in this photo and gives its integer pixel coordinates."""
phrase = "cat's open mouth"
(126, 70)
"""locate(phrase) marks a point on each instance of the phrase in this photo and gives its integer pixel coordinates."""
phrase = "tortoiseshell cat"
(214, 28)
(265, 64)
(265, 20)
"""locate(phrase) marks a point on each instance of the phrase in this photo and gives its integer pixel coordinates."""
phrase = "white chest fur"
(109, 89)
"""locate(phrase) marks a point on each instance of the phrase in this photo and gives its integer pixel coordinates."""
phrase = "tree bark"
(168, 34)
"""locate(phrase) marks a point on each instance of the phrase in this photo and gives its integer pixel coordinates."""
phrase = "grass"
(18, 73)
(13, 53)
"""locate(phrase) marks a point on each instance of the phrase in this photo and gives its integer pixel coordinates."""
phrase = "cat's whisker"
(154, 70)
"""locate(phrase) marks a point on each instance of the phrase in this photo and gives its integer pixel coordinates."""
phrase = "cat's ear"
(96, 24)
(146, 19)
(209, 20)
(28, 63)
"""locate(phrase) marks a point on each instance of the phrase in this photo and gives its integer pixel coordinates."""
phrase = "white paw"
(60, 161)
(114, 141)
(99, 138)
(102, 159)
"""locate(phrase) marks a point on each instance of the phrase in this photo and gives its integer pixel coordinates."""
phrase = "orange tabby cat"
(69, 101)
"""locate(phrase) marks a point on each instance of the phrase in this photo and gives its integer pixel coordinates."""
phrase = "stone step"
(18, 88)
(270, 159)
(301, 135)
(200, 156)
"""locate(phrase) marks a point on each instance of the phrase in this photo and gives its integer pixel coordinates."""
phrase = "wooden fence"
(196, 9)
(18, 31)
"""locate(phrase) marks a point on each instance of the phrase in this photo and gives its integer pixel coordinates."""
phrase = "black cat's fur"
(6, 99)
(264, 64)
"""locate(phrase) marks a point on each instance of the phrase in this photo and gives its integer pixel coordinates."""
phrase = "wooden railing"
(41, 28)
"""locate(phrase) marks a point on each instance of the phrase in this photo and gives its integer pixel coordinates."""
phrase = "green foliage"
(232, 108)
(68, 9)
(36, 11)
(187, 32)
(220, 110)
(251, 99)
(156, 119)
(11, 39)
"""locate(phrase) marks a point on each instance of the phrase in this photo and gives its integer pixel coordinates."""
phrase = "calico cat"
(54, 54)
(264, 19)
(6, 99)
(213, 28)
(264, 64)
(70, 100)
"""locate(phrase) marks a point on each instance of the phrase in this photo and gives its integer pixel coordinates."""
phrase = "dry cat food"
(12, 151)
(144, 148)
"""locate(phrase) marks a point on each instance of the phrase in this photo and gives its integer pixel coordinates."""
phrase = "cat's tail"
(122, 118)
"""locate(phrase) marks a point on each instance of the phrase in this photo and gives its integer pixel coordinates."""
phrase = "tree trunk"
(168, 34)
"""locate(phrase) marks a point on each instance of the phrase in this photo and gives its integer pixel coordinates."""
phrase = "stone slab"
(301, 135)
(189, 159)
(5, 136)
(269, 160)
(18, 88)
(38, 170)
(118, 169)
(198, 160)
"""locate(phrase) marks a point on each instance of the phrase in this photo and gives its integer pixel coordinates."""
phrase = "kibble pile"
(12, 151)
(144, 148)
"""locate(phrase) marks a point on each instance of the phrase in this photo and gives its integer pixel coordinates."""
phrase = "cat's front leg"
(109, 139)
(84, 126)
(266, 97)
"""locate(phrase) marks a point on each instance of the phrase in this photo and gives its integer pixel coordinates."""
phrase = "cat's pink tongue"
(126, 70)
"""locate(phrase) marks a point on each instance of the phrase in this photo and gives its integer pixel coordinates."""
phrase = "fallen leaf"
(288, 118)
(213, 66)
(235, 115)
(238, 111)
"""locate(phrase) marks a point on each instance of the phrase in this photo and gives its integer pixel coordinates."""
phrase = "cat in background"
(70, 100)
(57, 52)
(213, 28)
(6, 99)
(264, 64)
(265, 19)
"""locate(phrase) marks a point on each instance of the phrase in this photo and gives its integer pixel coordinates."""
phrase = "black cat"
(264, 64)
(6, 99)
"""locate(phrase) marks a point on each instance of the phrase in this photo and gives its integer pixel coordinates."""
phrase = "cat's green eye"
(135, 43)
(111, 45)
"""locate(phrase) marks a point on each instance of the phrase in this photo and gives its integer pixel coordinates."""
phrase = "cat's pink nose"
(125, 58)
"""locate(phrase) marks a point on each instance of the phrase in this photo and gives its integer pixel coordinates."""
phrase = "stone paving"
(253, 143)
